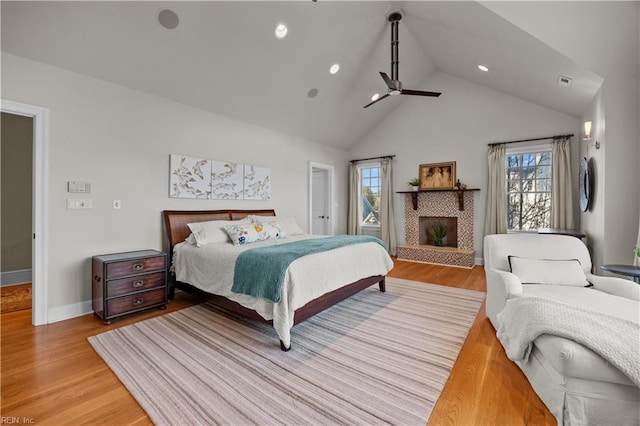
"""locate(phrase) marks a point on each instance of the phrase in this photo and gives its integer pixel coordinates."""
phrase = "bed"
(312, 283)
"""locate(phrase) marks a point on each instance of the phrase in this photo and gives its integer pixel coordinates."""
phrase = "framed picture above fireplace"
(438, 175)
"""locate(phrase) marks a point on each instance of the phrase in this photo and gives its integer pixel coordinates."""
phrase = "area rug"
(375, 358)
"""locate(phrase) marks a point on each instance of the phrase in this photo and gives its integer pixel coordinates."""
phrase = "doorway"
(39, 204)
(15, 212)
(321, 199)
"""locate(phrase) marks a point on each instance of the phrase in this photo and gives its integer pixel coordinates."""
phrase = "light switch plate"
(79, 203)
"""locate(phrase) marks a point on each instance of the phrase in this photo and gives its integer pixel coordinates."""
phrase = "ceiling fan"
(394, 84)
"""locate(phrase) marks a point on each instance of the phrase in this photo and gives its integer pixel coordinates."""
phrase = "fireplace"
(439, 207)
(427, 225)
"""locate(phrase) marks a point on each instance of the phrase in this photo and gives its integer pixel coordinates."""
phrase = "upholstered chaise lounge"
(578, 386)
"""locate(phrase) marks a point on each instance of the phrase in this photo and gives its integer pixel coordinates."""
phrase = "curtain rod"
(530, 140)
(373, 158)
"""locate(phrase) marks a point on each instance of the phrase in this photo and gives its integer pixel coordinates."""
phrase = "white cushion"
(287, 224)
(246, 233)
(212, 231)
(548, 271)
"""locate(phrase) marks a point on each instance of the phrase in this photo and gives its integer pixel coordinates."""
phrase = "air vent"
(564, 81)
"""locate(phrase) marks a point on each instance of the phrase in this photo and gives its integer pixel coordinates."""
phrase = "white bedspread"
(210, 268)
(613, 335)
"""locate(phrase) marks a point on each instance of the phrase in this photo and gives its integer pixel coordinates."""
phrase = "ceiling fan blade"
(420, 93)
(377, 100)
(388, 81)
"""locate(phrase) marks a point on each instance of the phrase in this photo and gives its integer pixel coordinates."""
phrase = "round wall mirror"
(584, 182)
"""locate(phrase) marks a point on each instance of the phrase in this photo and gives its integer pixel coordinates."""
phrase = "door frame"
(40, 204)
(330, 195)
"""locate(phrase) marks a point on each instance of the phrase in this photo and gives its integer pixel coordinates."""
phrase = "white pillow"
(212, 231)
(287, 224)
(246, 233)
(191, 240)
(548, 271)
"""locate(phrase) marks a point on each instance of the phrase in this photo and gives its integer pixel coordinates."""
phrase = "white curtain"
(387, 222)
(354, 226)
(561, 187)
(636, 259)
(495, 221)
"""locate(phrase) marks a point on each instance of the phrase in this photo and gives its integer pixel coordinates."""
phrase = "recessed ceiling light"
(375, 97)
(281, 31)
(483, 68)
(334, 68)
(168, 18)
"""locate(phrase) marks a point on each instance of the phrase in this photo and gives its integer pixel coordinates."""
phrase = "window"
(370, 181)
(528, 190)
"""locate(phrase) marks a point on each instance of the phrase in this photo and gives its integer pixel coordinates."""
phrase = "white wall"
(119, 140)
(457, 126)
(592, 221)
(612, 222)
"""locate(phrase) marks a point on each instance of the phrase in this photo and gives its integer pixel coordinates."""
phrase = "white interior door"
(319, 202)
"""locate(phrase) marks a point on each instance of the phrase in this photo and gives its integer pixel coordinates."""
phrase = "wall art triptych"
(217, 180)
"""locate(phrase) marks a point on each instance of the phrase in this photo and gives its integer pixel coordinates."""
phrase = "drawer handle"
(138, 283)
(138, 266)
(138, 301)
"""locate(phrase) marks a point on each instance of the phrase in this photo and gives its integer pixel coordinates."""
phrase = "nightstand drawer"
(138, 266)
(124, 286)
(133, 302)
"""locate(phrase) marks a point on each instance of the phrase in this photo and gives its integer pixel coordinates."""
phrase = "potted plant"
(638, 255)
(438, 231)
(414, 183)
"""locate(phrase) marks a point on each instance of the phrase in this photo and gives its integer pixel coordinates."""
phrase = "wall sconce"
(587, 130)
(587, 135)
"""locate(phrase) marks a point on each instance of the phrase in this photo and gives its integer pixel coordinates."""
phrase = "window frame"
(369, 165)
(521, 150)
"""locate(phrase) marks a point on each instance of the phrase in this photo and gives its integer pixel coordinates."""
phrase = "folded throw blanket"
(260, 272)
(615, 339)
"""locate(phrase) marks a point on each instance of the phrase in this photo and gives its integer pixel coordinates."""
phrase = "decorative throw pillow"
(287, 224)
(212, 231)
(273, 230)
(246, 233)
(548, 271)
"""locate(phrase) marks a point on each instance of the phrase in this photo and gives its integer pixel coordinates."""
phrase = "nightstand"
(124, 283)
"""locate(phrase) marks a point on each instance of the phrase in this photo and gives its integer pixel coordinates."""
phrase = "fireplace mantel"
(459, 193)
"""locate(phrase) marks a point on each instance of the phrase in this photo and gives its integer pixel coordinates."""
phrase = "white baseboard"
(479, 261)
(60, 313)
(20, 276)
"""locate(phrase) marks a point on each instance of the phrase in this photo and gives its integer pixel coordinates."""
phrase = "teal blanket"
(260, 272)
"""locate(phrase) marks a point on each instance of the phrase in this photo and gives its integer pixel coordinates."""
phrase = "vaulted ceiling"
(223, 56)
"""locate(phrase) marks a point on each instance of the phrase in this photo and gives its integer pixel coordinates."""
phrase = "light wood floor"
(51, 375)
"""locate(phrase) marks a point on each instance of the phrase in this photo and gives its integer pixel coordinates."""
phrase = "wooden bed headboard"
(176, 221)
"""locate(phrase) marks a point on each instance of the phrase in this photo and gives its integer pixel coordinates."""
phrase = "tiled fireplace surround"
(439, 204)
